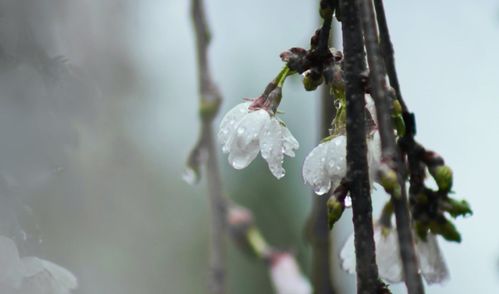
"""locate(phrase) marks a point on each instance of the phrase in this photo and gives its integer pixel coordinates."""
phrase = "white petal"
(271, 147)
(10, 274)
(314, 169)
(287, 278)
(347, 255)
(431, 260)
(388, 255)
(43, 276)
(373, 155)
(336, 160)
(371, 107)
(289, 142)
(230, 121)
(244, 143)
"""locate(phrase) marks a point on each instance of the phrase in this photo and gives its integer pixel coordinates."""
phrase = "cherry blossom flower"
(431, 261)
(248, 129)
(326, 165)
(286, 275)
(31, 275)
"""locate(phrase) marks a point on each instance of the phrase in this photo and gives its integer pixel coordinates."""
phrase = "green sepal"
(334, 211)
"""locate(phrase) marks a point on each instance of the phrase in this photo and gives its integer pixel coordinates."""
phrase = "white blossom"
(431, 262)
(286, 275)
(31, 275)
(326, 165)
(244, 133)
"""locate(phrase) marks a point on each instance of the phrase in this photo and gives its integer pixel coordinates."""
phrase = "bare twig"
(209, 100)
(358, 172)
(391, 154)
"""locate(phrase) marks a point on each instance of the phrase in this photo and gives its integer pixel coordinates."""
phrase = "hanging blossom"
(431, 261)
(252, 127)
(31, 275)
(325, 166)
(286, 275)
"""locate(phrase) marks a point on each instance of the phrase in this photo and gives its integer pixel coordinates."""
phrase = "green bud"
(389, 181)
(209, 108)
(310, 83)
(334, 211)
(397, 108)
(443, 176)
(446, 230)
(399, 124)
(457, 208)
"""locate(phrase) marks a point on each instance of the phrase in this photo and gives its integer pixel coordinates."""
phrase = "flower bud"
(457, 208)
(312, 79)
(443, 176)
(446, 230)
(421, 229)
(335, 209)
(389, 180)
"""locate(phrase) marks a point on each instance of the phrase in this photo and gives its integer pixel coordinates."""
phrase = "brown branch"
(390, 152)
(209, 101)
(358, 171)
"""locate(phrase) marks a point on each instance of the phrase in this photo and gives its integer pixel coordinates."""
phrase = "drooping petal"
(244, 143)
(286, 276)
(388, 254)
(347, 255)
(431, 261)
(336, 164)
(43, 276)
(373, 155)
(371, 108)
(10, 274)
(314, 171)
(271, 146)
(289, 142)
(229, 123)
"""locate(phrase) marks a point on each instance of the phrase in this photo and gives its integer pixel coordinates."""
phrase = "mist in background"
(98, 112)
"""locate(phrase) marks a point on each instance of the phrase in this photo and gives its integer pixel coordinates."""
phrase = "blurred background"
(98, 114)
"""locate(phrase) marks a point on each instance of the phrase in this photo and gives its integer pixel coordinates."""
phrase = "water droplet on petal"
(240, 131)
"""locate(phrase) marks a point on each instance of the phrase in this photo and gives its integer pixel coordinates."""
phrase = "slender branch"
(358, 171)
(390, 151)
(387, 51)
(209, 100)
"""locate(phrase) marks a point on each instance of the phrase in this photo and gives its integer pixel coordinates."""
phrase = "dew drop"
(189, 176)
(348, 202)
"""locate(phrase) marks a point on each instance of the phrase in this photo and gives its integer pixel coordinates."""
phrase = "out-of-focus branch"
(390, 152)
(318, 229)
(210, 99)
(358, 171)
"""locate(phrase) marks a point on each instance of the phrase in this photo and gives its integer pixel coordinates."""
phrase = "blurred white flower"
(326, 166)
(244, 132)
(286, 275)
(31, 275)
(431, 262)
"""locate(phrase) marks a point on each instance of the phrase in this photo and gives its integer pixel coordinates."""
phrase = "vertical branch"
(210, 98)
(358, 172)
(319, 229)
(389, 148)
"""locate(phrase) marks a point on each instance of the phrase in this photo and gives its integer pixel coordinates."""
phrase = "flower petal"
(347, 255)
(229, 123)
(286, 276)
(373, 155)
(289, 142)
(314, 171)
(431, 260)
(388, 255)
(336, 160)
(243, 144)
(271, 146)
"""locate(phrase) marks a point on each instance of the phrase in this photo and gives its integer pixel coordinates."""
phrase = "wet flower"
(431, 261)
(31, 275)
(286, 275)
(252, 127)
(326, 165)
